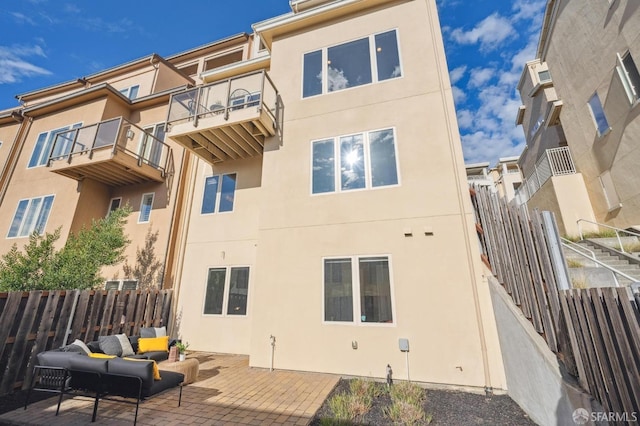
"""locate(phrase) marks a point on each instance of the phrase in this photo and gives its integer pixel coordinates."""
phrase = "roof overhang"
(553, 116)
(325, 11)
(236, 68)
(520, 116)
(548, 24)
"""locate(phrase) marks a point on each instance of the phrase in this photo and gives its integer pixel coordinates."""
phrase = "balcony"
(114, 152)
(225, 120)
(554, 162)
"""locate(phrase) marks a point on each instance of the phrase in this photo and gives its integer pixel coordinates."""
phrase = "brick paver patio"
(227, 392)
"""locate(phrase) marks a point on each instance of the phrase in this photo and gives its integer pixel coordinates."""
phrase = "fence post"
(555, 250)
(71, 316)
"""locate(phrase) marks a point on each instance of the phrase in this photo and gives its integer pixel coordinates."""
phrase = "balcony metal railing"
(117, 135)
(555, 162)
(254, 89)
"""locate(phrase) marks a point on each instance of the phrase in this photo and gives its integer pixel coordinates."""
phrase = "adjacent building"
(308, 183)
(580, 114)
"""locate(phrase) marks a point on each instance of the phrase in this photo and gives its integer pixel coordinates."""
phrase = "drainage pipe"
(273, 348)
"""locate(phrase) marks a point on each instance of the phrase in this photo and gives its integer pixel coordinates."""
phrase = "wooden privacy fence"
(32, 322)
(595, 332)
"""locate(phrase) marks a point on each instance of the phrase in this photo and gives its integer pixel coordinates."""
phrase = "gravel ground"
(446, 408)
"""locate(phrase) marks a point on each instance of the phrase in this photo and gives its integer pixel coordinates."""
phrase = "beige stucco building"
(317, 216)
(579, 114)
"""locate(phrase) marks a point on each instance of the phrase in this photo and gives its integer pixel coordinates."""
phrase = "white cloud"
(336, 80)
(465, 119)
(459, 95)
(14, 63)
(528, 10)
(490, 32)
(480, 76)
(457, 73)
(21, 18)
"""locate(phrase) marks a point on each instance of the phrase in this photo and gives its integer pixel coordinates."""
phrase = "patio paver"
(228, 392)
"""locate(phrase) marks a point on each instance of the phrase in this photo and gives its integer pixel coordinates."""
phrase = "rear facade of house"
(321, 218)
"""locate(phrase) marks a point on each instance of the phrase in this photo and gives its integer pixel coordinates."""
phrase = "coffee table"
(189, 367)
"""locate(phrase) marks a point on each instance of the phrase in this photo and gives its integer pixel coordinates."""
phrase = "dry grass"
(630, 247)
(406, 405)
(351, 406)
(572, 263)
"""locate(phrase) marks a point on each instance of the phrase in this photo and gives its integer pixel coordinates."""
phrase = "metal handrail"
(569, 242)
(604, 265)
(606, 226)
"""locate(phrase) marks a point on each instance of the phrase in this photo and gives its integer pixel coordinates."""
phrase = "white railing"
(613, 228)
(554, 162)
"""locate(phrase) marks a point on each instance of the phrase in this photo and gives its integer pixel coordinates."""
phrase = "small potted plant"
(182, 348)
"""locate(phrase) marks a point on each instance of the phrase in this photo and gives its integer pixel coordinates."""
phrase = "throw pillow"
(127, 349)
(152, 344)
(81, 344)
(147, 332)
(156, 370)
(73, 349)
(99, 355)
(110, 345)
(160, 331)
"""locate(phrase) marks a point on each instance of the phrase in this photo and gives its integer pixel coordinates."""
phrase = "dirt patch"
(444, 407)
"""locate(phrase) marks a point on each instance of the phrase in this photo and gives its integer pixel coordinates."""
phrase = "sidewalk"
(227, 392)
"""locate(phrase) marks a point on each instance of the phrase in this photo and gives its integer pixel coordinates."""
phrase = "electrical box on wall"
(404, 345)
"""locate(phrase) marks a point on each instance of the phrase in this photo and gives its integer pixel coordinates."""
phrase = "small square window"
(114, 204)
(219, 193)
(544, 76)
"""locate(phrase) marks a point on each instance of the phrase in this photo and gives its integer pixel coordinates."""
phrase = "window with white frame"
(145, 207)
(114, 204)
(219, 193)
(361, 160)
(131, 92)
(629, 76)
(44, 145)
(597, 112)
(227, 291)
(544, 76)
(150, 149)
(30, 216)
(357, 290)
(367, 60)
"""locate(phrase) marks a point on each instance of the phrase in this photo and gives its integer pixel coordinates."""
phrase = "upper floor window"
(362, 160)
(367, 60)
(145, 207)
(31, 215)
(131, 92)
(219, 193)
(360, 286)
(597, 112)
(629, 76)
(544, 76)
(44, 145)
(227, 291)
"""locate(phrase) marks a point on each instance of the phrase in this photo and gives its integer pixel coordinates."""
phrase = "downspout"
(457, 173)
(14, 155)
(155, 74)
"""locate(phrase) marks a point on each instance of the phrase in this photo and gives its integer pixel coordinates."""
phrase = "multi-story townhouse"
(580, 114)
(307, 182)
(329, 224)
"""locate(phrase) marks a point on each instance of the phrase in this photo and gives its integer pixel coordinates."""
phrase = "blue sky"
(487, 42)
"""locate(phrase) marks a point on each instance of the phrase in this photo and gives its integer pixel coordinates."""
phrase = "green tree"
(148, 269)
(76, 266)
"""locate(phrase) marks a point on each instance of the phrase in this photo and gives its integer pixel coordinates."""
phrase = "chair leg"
(135, 419)
(180, 396)
(95, 407)
(59, 402)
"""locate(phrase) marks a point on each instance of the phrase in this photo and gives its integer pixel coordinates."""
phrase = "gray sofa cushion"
(142, 369)
(169, 380)
(57, 358)
(110, 345)
(86, 363)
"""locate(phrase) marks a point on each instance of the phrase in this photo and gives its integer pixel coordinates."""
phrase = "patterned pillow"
(110, 345)
(127, 349)
(147, 332)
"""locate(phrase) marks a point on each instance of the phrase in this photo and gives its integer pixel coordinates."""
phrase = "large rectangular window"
(145, 207)
(219, 193)
(367, 60)
(360, 285)
(227, 291)
(597, 112)
(362, 160)
(44, 145)
(31, 216)
(629, 76)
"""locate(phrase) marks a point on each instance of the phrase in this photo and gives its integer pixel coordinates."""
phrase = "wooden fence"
(32, 322)
(595, 332)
